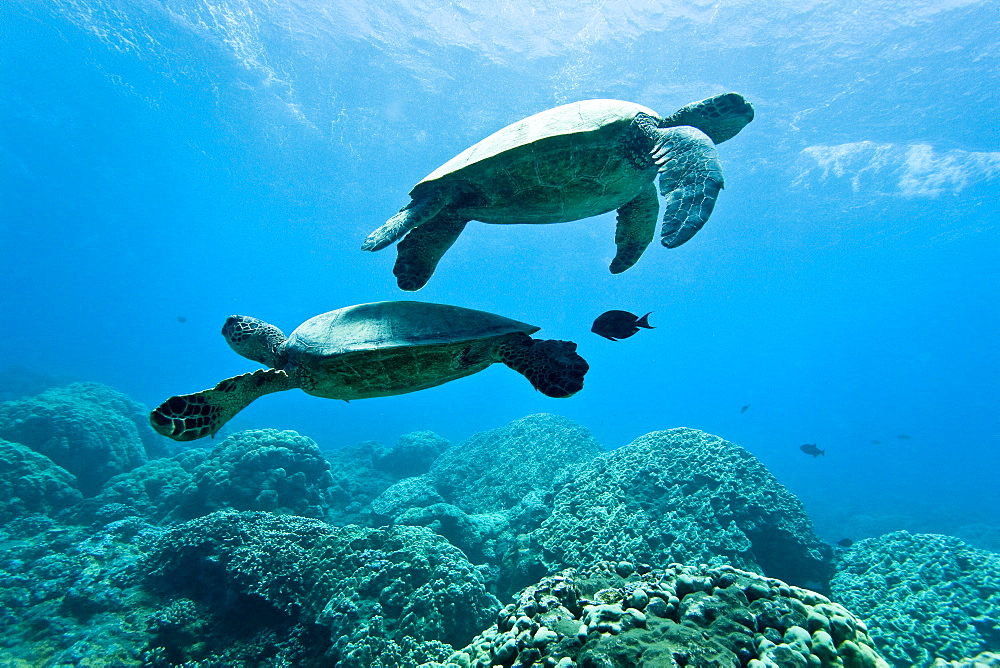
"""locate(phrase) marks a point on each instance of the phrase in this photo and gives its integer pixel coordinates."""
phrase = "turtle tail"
(551, 366)
(191, 416)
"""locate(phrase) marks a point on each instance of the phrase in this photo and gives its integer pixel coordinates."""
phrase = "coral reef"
(31, 483)
(681, 495)
(486, 492)
(259, 469)
(925, 596)
(379, 595)
(153, 491)
(411, 455)
(66, 597)
(496, 469)
(362, 472)
(621, 615)
(88, 429)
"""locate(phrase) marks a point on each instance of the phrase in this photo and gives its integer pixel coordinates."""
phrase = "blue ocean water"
(178, 160)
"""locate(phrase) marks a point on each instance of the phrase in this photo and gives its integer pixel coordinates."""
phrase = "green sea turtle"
(371, 350)
(567, 163)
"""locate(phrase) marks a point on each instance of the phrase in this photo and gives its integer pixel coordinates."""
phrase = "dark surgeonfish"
(845, 542)
(744, 409)
(616, 325)
(811, 449)
(181, 319)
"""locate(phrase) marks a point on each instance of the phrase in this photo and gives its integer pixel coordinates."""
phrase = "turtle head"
(256, 340)
(721, 117)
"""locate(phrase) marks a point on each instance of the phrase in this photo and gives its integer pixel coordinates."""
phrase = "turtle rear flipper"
(690, 179)
(190, 416)
(422, 248)
(636, 227)
(552, 366)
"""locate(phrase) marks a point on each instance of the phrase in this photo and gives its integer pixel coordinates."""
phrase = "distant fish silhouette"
(903, 437)
(845, 542)
(616, 325)
(744, 409)
(811, 449)
(876, 442)
(181, 318)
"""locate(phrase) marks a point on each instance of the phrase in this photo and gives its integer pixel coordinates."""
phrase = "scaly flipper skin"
(636, 228)
(721, 117)
(690, 179)
(191, 416)
(416, 213)
(552, 367)
(418, 254)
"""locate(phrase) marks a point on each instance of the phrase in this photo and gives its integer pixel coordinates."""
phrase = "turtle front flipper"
(422, 248)
(552, 367)
(636, 227)
(191, 416)
(690, 179)
(419, 211)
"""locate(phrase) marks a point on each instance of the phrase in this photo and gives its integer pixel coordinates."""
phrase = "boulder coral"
(681, 495)
(613, 615)
(66, 596)
(494, 470)
(925, 596)
(32, 483)
(88, 429)
(411, 455)
(259, 469)
(153, 491)
(395, 596)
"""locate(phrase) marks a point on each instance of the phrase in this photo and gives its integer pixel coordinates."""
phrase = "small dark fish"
(181, 318)
(616, 325)
(744, 409)
(903, 437)
(811, 449)
(845, 542)
(876, 442)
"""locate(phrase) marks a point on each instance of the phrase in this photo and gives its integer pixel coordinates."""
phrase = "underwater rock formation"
(402, 595)
(88, 429)
(618, 615)
(363, 471)
(494, 470)
(264, 469)
(153, 491)
(66, 593)
(411, 455)
(487, 491)
(680, 495)
(925, 596)
(259, 469)
(32, 483)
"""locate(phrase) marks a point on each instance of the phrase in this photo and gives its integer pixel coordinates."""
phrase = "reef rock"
(621, 615)
(925, 596)
(153, 491)
(364, 597)
(259, 469)
(680, 495)
(411, 455)
(32, 483)
(88, 429)
(495, 470)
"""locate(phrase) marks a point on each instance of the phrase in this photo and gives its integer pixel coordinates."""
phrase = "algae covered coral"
(527, 545)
